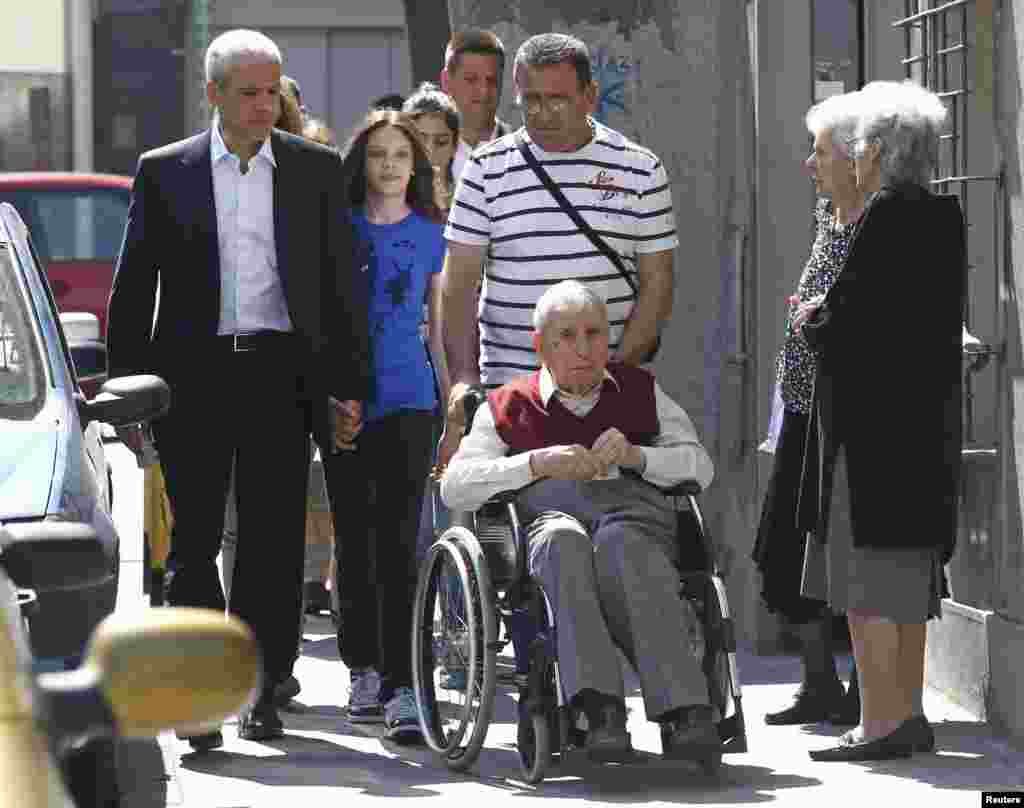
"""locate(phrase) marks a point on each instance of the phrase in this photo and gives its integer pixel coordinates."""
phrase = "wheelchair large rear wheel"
(454, 648)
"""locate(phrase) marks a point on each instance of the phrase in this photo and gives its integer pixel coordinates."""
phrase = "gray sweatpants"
(605, 552)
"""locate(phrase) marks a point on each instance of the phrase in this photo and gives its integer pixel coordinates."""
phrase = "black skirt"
(780, 545)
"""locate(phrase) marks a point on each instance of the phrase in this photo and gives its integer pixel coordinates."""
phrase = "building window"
(949, 48)
(838, 47)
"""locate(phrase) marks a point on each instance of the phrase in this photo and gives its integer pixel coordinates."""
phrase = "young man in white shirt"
(474, 63)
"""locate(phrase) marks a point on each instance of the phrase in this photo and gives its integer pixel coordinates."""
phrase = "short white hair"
(838, 115)
(566, 295)
(906, 121)
(240, 46)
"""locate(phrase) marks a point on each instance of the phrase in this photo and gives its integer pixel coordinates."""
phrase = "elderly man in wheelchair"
(590, 443)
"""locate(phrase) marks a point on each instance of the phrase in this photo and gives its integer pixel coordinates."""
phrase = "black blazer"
(171, 238)
(888, 388)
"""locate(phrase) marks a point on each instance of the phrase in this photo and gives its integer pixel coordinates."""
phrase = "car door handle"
(60, 288)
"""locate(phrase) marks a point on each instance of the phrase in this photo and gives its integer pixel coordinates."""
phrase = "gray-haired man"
(261, 322)
(592, 438)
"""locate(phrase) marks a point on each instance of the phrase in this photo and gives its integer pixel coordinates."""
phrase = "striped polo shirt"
(618, 187)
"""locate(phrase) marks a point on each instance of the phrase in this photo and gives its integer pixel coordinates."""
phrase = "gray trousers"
(605, 552)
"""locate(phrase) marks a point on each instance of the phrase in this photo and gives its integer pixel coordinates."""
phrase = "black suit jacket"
(171, 239)
(889, 379)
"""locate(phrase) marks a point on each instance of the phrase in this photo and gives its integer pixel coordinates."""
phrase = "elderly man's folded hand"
(567, 463)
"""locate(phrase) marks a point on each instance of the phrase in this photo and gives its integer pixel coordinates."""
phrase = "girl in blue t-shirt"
(377, 489)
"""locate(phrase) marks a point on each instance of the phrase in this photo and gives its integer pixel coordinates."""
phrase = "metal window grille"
(948, 48)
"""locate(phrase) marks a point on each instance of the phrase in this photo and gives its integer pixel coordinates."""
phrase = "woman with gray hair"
(779, 548)
(886, 415)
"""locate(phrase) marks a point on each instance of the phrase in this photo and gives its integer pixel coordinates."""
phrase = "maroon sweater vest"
(524, 424)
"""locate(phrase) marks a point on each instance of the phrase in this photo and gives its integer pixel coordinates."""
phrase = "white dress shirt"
(480, 468)
(251, 294)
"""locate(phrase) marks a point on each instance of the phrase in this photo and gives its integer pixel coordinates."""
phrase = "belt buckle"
(236, 346)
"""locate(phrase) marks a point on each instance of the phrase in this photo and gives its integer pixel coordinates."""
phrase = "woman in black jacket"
(886, 417)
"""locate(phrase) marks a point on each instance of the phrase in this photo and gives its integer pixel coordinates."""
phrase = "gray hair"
(905, 120)
(571, 295)
(839, 115)
(240, 46)
(543, 50)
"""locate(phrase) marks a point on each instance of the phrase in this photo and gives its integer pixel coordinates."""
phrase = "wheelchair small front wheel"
(534, 746)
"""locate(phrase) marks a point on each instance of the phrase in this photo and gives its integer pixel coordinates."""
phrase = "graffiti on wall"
(611, 73)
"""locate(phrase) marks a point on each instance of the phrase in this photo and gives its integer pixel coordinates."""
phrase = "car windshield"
(75, 225)
(21, 371)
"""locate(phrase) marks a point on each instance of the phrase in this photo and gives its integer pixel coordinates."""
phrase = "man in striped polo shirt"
(506, 225)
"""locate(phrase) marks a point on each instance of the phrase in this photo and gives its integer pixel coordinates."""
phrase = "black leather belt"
(256, 341)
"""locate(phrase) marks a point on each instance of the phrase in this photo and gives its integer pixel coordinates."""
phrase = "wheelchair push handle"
(475, 396)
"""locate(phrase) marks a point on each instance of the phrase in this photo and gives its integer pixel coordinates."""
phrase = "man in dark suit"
(239, 240)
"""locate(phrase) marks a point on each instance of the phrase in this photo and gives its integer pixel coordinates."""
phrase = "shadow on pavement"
(142, 774)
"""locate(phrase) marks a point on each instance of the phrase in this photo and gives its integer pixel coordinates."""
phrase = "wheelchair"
(473, 579)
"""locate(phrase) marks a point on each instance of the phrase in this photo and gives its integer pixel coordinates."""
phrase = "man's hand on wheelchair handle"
(454, 427)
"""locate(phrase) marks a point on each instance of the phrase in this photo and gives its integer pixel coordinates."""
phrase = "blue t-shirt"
(403, 257)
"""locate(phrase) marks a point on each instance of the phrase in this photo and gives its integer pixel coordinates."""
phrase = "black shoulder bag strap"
(580, 222)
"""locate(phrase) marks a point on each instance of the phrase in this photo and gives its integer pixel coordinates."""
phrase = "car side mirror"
(90, 358)
(49, 556)
(172, 668)
(128, 400)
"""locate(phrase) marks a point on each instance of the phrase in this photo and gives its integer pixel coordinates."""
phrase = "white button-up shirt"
(251, 294)
(480, 468)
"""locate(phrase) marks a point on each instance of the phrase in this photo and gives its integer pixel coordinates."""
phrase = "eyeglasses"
(533, 106)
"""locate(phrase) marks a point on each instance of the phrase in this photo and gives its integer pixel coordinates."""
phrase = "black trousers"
(779, 547)
(376, 495)
(251, 404)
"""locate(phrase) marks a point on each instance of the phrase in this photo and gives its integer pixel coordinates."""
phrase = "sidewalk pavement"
(326, 761)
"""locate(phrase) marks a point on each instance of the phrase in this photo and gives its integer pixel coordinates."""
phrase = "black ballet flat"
(900, 743)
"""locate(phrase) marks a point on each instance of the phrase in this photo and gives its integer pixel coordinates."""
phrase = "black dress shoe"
(924, 735)
(261, 723)
(607, 740)
(897, 744)
(809, 707)
(205, 742)
(285, 691)
(847, 710)
(692, 735)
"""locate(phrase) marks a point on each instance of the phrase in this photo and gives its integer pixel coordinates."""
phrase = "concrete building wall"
(34, 99)
(1005, 627)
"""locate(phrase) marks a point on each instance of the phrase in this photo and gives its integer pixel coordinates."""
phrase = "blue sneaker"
(453, 678)
(364, 705)
(402, 717)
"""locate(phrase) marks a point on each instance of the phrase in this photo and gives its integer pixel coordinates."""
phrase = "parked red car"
(77, 223)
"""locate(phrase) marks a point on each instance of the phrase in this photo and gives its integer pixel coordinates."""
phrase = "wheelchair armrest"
(687, 488)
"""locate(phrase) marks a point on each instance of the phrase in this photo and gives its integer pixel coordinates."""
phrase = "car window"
(75, 225)
(22, 379)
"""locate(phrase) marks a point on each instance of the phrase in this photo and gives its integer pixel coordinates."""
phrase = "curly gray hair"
(240, 46)
(837, 114)
(906, 121)
(566, 295)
